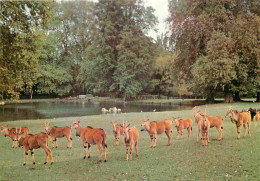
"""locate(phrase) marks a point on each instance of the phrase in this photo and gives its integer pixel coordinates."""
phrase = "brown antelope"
(58, 132)
(117, 130)
(11, 133)
(31, 142)
(91, 136)
(240, 118)
(205, 125)
(181, 124)
(215, 121)
(131, 136)
(154, 128)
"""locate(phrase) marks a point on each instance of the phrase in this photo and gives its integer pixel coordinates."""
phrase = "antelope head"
(75, 124)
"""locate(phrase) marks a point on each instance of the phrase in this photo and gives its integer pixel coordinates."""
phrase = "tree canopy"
(219, 43)
(103, 48)
(21, 40)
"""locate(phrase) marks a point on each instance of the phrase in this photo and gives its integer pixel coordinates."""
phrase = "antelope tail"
(104, 139)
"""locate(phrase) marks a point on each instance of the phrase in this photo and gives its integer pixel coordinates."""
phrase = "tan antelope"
(11, 133)
(154, 128)
(240, 118)
(198, 119)
(131, 136)
(256, 117)
(215, 121)
(91, 136)
(31, 142)
(117, 130)
(205, 125)
(58, 132)
(181, 124)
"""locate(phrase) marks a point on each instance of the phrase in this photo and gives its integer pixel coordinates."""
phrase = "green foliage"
(67, 41)
(121, 54)
(21, 40)
(218, 41)
(164, 74)
(217, 67)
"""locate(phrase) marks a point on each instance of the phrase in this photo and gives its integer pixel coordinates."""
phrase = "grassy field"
(229, 159)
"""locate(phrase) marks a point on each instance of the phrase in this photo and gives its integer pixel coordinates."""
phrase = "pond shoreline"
(54, 108)
(108, 99)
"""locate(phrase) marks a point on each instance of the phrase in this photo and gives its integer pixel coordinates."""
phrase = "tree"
(67, 42)
(218, 41)
(21, 36)
(121, 54)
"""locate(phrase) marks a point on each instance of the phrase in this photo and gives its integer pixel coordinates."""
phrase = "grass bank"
(171, 101)
(182, 160)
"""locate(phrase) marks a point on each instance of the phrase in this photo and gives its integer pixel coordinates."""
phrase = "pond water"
(41, 110)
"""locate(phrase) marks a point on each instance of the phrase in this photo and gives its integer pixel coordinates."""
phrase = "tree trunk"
(228, 95)
(210, 98)
(113, 94)
(258, 96)
(31, 93)
(236, 96)
(211, 95)
(124, 96)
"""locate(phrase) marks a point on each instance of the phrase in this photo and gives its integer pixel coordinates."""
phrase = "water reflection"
(40, 110)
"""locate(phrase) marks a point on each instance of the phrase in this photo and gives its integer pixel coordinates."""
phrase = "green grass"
(166, 101)
(229, 159)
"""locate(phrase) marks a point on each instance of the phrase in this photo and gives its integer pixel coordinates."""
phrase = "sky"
(161, 12)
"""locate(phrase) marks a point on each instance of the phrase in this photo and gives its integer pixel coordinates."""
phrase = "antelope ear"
(128, 125)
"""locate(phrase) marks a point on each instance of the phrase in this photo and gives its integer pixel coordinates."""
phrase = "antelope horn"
(20, 130)
(206, 108)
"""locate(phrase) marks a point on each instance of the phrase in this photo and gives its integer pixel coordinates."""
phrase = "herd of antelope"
(91, 136)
